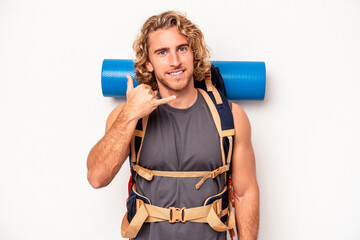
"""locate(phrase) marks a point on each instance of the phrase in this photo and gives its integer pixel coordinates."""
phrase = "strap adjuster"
(177, 215)
(215, 173)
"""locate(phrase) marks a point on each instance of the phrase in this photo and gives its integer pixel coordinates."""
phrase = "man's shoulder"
(236, 108)
(113, 115)
(241, 120)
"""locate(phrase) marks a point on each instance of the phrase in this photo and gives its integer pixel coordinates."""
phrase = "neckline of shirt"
(184, 110)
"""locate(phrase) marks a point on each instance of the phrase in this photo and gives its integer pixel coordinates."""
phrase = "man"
(180, 137)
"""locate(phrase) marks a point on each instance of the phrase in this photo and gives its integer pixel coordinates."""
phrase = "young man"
(181, 137)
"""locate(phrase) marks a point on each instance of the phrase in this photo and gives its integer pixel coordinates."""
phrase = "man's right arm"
(108, 155)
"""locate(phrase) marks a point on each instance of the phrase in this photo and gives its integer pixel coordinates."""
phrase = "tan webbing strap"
(167, 173)
(132, 147)
(143, 172)
(209, 86)
(150, 213)
(204, 214)
(223, 154)
(149, 174)
(213, 110)
(144, 125)
(138, 133)
(180, 215)
(217, 96)
(130, 230)
(213, 174)
(179, 174)
(229, 132)
(215, 222)
(230, 150)
(172, 214)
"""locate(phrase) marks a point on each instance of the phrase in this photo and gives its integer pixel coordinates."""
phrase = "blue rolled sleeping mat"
(242, 80)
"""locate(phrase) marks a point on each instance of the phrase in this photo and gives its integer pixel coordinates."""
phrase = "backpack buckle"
(176, 215)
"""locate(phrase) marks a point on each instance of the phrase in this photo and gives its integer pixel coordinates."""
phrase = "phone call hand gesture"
(142, 100)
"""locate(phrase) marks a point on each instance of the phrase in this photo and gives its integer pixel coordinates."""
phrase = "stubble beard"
(178, 89)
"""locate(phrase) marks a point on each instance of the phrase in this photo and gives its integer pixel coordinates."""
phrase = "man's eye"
(162, 53)
(181, 49)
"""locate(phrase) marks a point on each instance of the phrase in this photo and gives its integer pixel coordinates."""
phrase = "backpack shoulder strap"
(218, 103)
(223, 118)
(137, 142)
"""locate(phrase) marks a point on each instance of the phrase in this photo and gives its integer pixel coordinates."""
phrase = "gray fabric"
(180, 140)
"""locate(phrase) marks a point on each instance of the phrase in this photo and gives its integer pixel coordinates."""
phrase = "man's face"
(171, 59)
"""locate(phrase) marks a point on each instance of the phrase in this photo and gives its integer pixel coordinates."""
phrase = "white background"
(305, 133)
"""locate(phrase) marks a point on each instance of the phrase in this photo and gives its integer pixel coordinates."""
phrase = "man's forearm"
(247, 215)
(107, 156)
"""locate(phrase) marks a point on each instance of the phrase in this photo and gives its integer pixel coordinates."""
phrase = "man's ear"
(149, 66)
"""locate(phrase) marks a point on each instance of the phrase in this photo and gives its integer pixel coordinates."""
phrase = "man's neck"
(184, 99)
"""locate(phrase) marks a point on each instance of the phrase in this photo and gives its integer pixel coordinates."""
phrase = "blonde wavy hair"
(167, 20)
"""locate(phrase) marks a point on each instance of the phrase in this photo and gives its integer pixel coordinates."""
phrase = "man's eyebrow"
(167, 49)
(183, 45)
(161, 49)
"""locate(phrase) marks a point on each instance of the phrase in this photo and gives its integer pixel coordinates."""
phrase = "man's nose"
(174, 60)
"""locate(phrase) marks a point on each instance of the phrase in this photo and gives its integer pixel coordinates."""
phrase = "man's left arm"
(243, 175)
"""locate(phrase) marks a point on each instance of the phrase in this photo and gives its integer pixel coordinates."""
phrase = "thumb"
(130, 84)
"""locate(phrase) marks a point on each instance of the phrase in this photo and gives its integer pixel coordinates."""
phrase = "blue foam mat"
(243, 80)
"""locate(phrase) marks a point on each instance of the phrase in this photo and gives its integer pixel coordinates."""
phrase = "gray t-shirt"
(180, 140)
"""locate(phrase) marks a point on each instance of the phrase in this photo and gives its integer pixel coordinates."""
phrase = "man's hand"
(142, 100)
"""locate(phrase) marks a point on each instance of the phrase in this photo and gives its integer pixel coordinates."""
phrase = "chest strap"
(149, 174)
(210, 214)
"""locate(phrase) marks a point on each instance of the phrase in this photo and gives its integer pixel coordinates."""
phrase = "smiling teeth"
(176, 73)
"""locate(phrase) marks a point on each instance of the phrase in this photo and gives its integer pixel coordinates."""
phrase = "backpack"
(217, 209)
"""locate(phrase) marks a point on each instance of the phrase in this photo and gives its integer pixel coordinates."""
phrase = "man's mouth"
(176, 73)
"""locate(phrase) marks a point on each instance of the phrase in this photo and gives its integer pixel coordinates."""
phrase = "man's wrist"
(127, 116)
